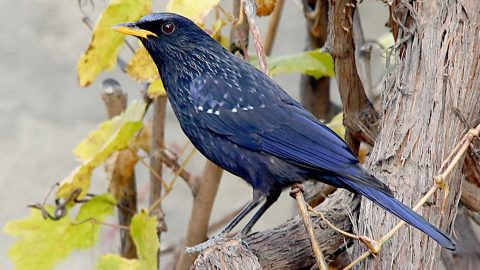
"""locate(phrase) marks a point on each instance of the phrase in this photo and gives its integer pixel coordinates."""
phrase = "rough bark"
(286, 246)
(437, 67)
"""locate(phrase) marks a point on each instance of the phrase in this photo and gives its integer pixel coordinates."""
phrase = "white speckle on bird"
(250, 107)
(225, 96)
(262, 106)
(217, 112)
(200, 108)
(209, 111)
(234, 110)
(245, 108)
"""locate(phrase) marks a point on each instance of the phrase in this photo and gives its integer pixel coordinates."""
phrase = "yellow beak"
(132, 29)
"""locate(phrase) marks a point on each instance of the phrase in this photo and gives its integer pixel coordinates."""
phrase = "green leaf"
(143, 230)
(104, 46)
(43, 242)
(195, 10)
(115, 262)
(112, 135)
(314, 63)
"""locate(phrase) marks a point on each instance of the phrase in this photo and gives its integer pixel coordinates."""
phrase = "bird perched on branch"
(242, 120)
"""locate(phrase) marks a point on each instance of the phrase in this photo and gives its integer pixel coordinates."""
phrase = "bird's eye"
(168, 28)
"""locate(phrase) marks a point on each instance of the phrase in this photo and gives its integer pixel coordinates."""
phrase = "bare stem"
(157, 144)
(272, 27)
(122, 185)
(302, 207)
(249, 6)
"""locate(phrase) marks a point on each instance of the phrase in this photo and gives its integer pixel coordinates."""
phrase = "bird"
(244, 122)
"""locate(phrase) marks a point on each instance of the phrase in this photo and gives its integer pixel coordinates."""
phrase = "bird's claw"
(202, 246)
(294, 189)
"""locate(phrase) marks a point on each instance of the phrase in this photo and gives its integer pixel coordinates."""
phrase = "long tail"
(400, 210)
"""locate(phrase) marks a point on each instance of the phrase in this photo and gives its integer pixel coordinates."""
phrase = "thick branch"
(359, 116)
(157, 146)
(272, 27)
(287, 246)
(201, 210)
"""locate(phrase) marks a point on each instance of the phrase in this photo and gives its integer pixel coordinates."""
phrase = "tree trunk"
(437, 66)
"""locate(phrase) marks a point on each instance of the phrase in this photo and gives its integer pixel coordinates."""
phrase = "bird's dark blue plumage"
(244, 122)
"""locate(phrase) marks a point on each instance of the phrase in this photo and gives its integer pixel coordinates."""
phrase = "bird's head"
(174, 42)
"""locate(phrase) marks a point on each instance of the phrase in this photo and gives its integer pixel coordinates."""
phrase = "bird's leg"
(271, 198)
(257, 197)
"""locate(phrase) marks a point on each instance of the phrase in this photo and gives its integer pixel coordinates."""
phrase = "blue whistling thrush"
(242, 120)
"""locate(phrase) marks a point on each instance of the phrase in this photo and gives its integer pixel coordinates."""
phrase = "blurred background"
(44, 113)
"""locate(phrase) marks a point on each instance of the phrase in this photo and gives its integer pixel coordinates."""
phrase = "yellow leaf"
(144, 234)
(217, 32)
(217, 29)
(105, 43)
(195, 10)
(112, 135)
(336, 124)
(141, 67)
(143, 230)
(156, 89)
(265, 7)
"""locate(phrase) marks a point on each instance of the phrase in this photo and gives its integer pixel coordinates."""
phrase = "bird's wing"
(271, 122)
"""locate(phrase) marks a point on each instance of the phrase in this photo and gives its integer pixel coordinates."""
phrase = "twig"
(96, 222)
(372, 245)
(439, 183)
(297, 193)
(169, 187)
(172, 163)
(153, 172)
(249, 6)
(180, 170)
(272, 27)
